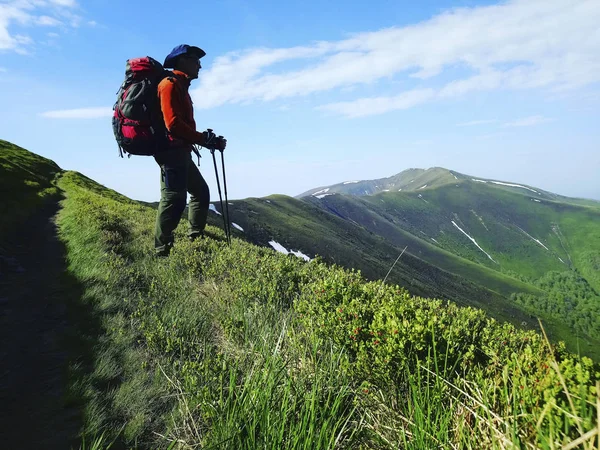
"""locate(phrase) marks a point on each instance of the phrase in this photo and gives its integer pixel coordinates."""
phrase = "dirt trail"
(34, 327)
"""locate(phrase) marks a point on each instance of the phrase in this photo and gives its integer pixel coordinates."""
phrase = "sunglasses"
(194, 58)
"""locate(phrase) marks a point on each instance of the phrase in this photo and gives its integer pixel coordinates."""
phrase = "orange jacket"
(177, 110)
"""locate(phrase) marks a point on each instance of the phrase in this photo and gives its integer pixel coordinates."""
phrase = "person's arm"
(170, 104)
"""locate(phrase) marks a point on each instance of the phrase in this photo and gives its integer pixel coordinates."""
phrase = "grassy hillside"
(25, 185)
(504, 238)
(408, 180)
(369, 232)
(302, 226)
(518, 228)
(240, 347)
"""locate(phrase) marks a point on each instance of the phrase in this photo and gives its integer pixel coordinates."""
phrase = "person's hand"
(221, 143)
(210, 139)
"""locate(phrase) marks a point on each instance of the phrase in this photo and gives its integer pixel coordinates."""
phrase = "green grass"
(295, 224)
(234, 347)
(241, 347)
(25, 185)
(377, 228)
(504, 221)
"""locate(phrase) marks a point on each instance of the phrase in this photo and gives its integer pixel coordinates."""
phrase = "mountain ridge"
(506, 238)
(415, 179)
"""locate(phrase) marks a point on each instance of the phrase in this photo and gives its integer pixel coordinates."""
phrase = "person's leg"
(199, 200)
(173, 185)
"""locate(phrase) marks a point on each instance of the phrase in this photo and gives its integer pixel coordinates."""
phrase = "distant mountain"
(408, 180)
(417, 179)
(497, 245)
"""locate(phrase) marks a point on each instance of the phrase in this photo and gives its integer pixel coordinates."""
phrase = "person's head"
(185, 58)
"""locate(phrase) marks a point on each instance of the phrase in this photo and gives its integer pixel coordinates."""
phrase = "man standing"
(178, 173)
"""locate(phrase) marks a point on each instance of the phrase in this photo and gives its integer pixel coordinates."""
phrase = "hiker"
(178, 172)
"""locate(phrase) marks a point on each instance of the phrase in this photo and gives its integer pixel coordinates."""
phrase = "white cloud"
(31, 13)
(379, 105)
(67, 3)
(520, 44)
(528, 121)
(47, 21)
(82, 113)
(476, 122)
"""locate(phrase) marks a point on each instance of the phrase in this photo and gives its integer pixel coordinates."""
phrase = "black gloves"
(212, 141)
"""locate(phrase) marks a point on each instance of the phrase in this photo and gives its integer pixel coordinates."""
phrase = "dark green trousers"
(178, 176)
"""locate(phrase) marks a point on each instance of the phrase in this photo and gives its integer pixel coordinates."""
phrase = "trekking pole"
(212, 151)
(226, 200)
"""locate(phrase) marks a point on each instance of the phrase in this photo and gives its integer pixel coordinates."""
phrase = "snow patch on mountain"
(322, 191)
(422, 187)
(350, 182)
(514, 185)
(480, 219)
(212, 208)
(473, 240)
(235, 225)
(531, 237)
(506, 184)
(299, 254)
(281, 249)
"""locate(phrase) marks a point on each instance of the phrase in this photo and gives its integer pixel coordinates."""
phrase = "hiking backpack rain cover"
(137, 120)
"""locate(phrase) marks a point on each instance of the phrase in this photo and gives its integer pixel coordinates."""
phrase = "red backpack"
(137, 120)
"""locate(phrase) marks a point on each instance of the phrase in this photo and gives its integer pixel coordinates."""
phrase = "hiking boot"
(193, 235)
(162, 254)
(163, 251)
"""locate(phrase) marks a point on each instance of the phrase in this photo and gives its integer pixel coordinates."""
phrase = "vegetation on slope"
(25, 184)
(519, 240)
(568, 299)
(301, 225)
(241, 347)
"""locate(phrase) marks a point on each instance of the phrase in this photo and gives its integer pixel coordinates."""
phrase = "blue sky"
(314, 93)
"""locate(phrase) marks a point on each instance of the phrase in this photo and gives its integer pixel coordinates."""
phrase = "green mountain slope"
(309, 229)
(408, 180)
(480, 242)
(25, 184)
(513, 233)
(239, 347)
